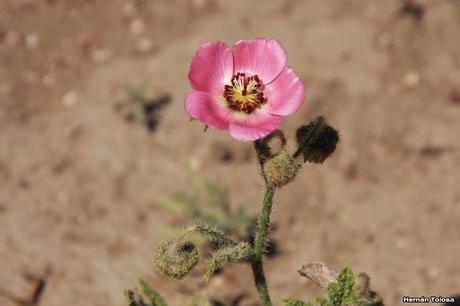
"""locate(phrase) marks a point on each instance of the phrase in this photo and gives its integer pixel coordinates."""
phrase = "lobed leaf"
(155, 298)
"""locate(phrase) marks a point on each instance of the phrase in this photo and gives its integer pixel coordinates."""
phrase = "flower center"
(245, 94)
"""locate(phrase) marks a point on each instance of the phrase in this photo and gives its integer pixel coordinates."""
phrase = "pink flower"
(247, 89)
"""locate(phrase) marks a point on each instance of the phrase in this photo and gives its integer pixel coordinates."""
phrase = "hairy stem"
(257, 264)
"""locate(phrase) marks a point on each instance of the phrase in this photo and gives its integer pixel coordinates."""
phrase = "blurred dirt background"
(78, 181)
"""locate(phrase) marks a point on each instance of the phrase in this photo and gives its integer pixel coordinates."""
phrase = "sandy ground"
(78, 182)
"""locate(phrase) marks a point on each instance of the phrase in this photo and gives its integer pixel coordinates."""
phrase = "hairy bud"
(175, 258)
(317, 140)
(281, 169)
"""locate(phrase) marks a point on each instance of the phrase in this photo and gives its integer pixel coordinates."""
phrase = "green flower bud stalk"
(227, 256)
(281, 169)
(175, 258)
(213, 234)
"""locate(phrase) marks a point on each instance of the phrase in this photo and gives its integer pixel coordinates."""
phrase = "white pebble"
(411, 79)
(144, 45)
(101, 55)
(31, 41)
(137, 26)
(70, 98)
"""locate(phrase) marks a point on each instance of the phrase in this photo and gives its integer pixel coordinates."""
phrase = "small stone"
(11, 38)
(137, 26)
(218, 282)
(411, 79)
(101, 55)
(195, 163)
(144, 45)
(70, 98)
(31, 41)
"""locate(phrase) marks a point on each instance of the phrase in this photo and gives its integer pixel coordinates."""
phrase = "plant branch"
(257, 263)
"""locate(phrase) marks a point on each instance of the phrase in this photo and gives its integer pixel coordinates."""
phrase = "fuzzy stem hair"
(259, 245)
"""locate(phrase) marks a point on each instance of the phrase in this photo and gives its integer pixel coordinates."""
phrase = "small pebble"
(70, 98)
(137, 26)
(31, 41)
(195, 163)
(101, 55)
(411, 79)
(144, 45)
(218, 282)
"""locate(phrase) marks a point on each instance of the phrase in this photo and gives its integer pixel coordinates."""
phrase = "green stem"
(257, 264)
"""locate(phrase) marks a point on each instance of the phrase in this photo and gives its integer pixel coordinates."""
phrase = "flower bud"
(175, 258)
(317, 141)
(280, 169)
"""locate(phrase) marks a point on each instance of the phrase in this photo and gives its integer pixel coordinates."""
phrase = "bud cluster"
(316, 141)
(177, 257)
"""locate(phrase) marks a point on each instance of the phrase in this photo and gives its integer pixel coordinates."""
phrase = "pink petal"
(263, 56)
(285, 95)
(208, 109)
(255, 126)
(211, 67)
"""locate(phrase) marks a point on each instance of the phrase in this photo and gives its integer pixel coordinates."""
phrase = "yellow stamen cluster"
(245, 94)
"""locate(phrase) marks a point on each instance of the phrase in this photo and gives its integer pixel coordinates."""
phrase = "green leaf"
(294, 302)
(341, 292)
(155, 298)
